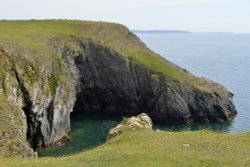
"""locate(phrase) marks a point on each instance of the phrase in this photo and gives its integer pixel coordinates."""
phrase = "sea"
(221, 57)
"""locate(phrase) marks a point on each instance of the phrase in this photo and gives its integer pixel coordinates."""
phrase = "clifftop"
(33, 40)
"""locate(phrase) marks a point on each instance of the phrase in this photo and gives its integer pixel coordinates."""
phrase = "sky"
(192, 15)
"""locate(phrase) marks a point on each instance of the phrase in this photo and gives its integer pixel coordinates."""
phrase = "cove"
(89, 130)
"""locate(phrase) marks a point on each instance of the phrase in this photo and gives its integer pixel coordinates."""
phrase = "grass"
(150, 148)
(53, 83)
(124, 120)
(33, 40)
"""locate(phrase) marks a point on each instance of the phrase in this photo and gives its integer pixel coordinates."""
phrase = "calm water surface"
(224, 58)
(87, 132)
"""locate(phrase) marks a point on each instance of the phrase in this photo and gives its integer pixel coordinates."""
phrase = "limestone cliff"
(51, 68)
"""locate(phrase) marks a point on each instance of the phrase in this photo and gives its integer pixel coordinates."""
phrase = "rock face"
(106, 82)
(47, 115)
(142, 121)
(97, 67)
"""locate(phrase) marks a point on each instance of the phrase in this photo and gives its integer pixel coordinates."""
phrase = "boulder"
(142, 121)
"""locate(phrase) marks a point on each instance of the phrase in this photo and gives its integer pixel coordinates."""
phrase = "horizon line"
(183, 31)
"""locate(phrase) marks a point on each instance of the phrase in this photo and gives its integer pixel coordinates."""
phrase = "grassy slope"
(31, 38)
(150, 148)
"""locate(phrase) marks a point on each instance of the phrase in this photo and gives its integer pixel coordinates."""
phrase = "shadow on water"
(90, 130)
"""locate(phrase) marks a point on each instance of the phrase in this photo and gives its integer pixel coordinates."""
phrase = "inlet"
(88, 130)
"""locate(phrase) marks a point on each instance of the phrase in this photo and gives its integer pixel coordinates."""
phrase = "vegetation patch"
(124, 120)
(53, 83)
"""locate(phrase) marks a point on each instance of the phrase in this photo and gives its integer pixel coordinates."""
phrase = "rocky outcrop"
(98, 67)
(142, 121)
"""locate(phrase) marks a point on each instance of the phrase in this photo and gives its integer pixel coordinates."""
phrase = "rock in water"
(142, 121)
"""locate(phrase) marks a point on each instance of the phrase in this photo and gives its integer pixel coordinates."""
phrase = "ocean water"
(224, 58)
(221, 57)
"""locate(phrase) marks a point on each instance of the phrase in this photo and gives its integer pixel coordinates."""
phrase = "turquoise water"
(224, 58)
(87, 132)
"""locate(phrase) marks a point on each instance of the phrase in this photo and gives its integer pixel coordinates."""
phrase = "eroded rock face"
(142, 121)
(47, 115)
(110, 83)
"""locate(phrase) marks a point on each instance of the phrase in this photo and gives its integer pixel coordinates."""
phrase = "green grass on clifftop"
(32, 39)
(150, 148)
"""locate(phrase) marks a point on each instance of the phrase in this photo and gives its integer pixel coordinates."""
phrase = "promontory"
(50, 68)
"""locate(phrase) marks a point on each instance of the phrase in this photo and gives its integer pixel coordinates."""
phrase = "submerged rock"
(142, 121)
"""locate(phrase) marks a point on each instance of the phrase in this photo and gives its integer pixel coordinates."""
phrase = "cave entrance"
(88, 130)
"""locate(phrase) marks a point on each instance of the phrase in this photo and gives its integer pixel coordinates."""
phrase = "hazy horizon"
(183, 15)
(184, 31)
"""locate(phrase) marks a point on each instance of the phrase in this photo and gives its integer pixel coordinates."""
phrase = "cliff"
(53, 67)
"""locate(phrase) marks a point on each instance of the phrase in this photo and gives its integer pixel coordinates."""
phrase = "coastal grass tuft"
(151, 148)
(53, 83)
(124, 120)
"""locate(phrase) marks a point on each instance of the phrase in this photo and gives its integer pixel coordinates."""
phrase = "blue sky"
(193, 15)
